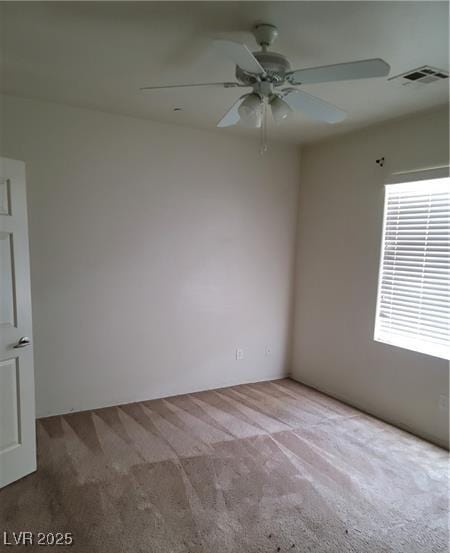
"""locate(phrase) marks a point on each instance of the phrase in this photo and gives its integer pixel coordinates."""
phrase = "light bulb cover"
(250, 111)
(280, 109)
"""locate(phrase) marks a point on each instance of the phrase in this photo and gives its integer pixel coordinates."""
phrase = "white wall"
(339, 233)
(156, 251)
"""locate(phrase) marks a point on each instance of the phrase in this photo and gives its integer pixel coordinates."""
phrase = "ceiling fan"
(273, 83)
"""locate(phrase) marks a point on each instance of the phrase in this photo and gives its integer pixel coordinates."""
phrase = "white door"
(17, 415)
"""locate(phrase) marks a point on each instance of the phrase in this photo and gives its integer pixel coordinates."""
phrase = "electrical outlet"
(239, 354)
(443, 402)
(268, 351)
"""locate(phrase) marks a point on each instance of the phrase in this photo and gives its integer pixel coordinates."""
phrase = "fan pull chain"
(263, 142)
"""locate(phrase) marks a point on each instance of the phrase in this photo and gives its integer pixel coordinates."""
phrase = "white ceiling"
(97, 55)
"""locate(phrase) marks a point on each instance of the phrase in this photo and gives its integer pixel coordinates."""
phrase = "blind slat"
(439, 312)
(415, 320)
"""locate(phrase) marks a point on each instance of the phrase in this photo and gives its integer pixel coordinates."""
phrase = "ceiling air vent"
(419, 77)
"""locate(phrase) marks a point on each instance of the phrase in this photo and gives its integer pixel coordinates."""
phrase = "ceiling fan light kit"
(273, 83)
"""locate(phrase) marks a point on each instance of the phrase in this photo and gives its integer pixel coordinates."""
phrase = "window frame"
(402, 342)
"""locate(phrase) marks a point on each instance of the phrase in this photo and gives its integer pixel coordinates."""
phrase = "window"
(413, 306)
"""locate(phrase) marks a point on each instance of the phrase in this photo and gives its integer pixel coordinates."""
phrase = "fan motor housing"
(275, 65)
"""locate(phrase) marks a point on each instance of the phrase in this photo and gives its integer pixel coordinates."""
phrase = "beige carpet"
(256, 468)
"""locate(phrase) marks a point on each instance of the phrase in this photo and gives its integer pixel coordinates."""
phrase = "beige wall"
(339, 233)
(156, 251)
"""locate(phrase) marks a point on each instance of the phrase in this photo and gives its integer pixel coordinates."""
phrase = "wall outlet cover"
(443, 402)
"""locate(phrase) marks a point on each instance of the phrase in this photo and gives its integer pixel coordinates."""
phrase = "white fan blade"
(225, 85)
(232, 116)
(313, 107)
(240, 55)
(364, 69)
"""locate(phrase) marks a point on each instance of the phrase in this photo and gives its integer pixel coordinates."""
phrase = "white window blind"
(413, 307)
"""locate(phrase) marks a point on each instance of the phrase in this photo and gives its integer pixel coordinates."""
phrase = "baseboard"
(149, 397)
(435, 440)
